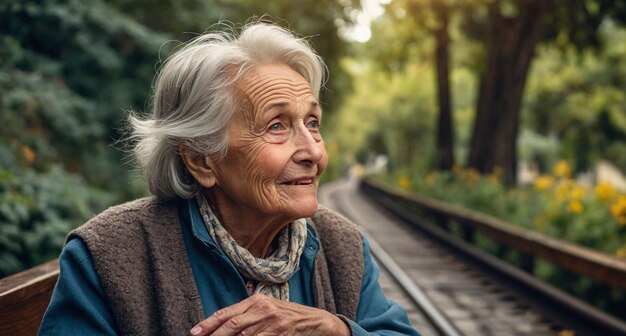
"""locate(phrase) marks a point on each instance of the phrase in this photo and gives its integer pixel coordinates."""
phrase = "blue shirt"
(78, 305)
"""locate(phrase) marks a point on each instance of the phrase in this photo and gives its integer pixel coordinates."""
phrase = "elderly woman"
(233, 241)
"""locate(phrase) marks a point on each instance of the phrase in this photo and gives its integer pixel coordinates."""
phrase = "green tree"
(69, 73)
(511, 31)
(433, 18)
(445, 127)
(67, 69)
(581, 104)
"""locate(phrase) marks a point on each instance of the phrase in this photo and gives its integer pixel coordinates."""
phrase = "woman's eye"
(276, 127)
(313, 124)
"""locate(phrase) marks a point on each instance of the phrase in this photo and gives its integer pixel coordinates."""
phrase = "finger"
(249, 320)
(265, 325)
(211, 323)
(287, 318)
(264, 314)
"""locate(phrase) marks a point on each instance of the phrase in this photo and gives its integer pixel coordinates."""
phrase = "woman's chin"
(299, 201)
(303, 208)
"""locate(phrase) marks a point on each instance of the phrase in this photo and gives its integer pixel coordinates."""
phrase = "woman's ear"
(200, 167)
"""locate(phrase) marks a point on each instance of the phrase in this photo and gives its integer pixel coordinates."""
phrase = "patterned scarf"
(272, 273)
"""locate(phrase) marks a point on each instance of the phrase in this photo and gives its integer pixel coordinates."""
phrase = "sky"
(370, 11)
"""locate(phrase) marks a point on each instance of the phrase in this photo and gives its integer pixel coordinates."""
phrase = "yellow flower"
(621, 252)
(431, 177)
(563, 189)
(496, 175)
(577, 192)
(566, 332)
(575, 206)
(618, 210)
(493, 178)
(28, 154)
(404, 182)
(605, 191)
(562, 169)
(497, 171)
(471, 175)
(543, 182)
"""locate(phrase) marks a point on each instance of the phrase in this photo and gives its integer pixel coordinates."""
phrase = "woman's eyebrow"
(277, 104)
(315, 107)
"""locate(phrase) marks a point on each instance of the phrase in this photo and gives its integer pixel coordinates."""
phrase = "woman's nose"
(309, 148)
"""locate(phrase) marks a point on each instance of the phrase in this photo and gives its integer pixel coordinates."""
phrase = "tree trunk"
(445, 140)
(512, 43)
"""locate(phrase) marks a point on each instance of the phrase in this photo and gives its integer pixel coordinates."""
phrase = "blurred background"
(516, 108)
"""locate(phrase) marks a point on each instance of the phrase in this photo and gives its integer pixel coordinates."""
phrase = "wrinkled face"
(275, 150)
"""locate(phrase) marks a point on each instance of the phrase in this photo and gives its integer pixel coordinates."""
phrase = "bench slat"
(24, 298)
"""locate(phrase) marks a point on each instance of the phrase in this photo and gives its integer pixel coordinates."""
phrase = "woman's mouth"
(300, 181)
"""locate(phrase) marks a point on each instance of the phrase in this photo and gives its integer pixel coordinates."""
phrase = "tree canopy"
(498, 42)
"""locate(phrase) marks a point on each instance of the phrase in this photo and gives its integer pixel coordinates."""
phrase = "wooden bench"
(24, 297)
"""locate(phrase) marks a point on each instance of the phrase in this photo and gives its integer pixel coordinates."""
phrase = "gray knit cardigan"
(140, 258)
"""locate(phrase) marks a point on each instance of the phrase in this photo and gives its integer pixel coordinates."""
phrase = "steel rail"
(434, 315)
(439, 321)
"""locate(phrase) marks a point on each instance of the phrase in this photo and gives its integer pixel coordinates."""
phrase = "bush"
(67, 69)
(555, 204)
(37, 210)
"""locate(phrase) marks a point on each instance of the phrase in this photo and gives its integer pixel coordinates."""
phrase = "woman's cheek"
(321, 165)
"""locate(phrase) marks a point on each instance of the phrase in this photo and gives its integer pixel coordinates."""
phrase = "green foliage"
(181, 18)
(573, 108)
(67, 68)
(388, 115)
(574, 102)
(577, 22)
(318, 21)
(37, 210)
(542, 150)
(393, 112)
(578, 100)
(555, 205)
(66, 78)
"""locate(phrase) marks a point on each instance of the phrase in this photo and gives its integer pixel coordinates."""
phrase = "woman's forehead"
(275, 86)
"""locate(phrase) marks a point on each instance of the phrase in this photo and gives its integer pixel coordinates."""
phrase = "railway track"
(443, 292)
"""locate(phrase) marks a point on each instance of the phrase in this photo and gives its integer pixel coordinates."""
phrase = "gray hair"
(194, 99)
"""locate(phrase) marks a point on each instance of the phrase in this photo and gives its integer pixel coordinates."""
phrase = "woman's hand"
(264, 315)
